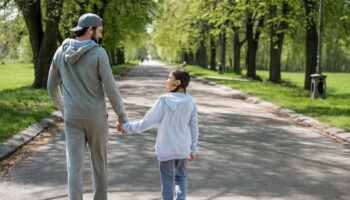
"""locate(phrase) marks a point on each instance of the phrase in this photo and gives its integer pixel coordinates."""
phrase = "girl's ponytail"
(184, 77)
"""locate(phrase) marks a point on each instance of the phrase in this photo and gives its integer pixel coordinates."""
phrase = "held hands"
(124, 132)
(121, 130)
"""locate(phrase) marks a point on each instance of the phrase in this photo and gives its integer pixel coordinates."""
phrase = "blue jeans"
(173, 172)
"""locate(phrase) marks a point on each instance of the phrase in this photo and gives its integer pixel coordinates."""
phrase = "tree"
(124, 20)
(43, 42)
(235, 18)
(253, 39)
(311, 38)
(222, 68)
(336, 32)
(201, 54)
(212, 53)
(120, 25)
(176, 32)
(13, 39)
(202, 26)
(237, 46)
(278, 26)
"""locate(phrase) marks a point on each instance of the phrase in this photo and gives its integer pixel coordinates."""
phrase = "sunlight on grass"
(335, 110)
(16, 75)
(20, 105)
(118, 69)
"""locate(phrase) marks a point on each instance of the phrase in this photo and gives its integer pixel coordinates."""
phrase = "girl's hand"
(120, 129)
(191, 158)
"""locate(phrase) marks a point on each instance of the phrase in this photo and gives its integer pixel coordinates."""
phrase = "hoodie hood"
(176, 100)
(74, 50)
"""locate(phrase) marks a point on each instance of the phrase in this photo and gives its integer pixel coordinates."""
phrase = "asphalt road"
(245, 153)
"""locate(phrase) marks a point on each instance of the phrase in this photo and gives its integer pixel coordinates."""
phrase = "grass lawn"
(20, 105)
(124, 67)
(334, 111)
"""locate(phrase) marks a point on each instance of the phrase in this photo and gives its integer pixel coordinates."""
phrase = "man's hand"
(121, 130)
(191, 158)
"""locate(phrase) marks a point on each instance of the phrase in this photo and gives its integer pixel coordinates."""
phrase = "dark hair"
(183, 76)
(82, 31)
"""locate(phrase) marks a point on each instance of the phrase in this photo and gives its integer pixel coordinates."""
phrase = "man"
(83, 68)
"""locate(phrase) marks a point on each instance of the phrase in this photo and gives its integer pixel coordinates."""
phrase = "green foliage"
(17, 75)
(172, 29)
(24, 50)
(126, 21)
(14, 43)
(335, 110)
(125, 24)
(71, 12)
(137, 49)
(121, 69)
(20, 105)
(182, 24)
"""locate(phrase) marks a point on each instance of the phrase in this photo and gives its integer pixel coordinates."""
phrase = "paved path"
(244, 153)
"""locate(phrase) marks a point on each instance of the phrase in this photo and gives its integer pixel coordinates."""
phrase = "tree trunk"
(275, 51)
(197, 56)
(112, 57)
(201, 55)
(252, 44)
(236, 54)
(49, 42)
(120, 56)
(43, 44)
(276, 42)
(212, 54)
(204, 55)
(184, 56)
(311, 42)
(115, 56)
(190, 58)
(266, 55)
(223, 51)
(237, 45)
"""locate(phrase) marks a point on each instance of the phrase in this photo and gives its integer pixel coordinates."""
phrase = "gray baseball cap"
(87, 20)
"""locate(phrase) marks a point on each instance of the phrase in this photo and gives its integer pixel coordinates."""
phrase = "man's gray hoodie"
(86, 75)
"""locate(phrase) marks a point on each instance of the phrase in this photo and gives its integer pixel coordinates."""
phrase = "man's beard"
(93, 37)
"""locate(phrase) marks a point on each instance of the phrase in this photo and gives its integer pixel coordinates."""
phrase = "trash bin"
(318, 86)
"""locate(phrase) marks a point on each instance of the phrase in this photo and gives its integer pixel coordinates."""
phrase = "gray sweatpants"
(79, 133)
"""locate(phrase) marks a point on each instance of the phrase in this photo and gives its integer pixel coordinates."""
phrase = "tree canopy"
(261, 34)
(273, 35)
(47, 23)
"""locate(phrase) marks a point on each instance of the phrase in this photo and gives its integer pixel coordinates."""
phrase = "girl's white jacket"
(177, 117)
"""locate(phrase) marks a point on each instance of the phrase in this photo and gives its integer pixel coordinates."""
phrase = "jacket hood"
(72, 53)
(176, 100)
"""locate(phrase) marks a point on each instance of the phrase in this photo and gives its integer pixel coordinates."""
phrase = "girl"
(176, 143)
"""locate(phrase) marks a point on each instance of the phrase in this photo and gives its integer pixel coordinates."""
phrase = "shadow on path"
(244, 153)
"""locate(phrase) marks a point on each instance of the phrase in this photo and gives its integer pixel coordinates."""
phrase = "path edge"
(12, 144)
(335, 133)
